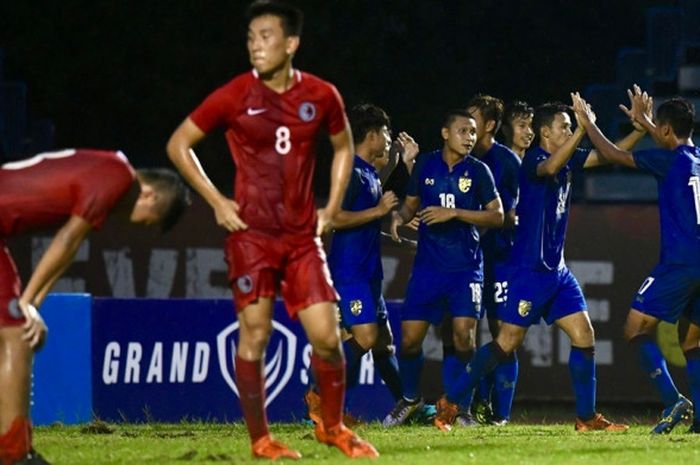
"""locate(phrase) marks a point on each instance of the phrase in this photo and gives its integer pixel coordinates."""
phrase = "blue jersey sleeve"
(654, 161)
(508, 188)
(413, 188)
(578, 159)
(352, 190)
(486, 187)
(530, 162)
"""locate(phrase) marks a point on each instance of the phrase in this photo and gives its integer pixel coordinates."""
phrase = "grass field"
(200, 443)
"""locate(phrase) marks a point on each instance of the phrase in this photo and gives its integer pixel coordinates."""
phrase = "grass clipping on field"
(201, 443)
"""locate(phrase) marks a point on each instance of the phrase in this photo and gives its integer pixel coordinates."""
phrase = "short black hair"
(680, 114)
(515, 109)
(545, 113)
(453, 114)
(167, 183)
(291, 17)
(364, 118)
(491, 108)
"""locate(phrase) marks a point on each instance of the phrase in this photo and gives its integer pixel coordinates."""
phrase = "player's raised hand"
(582, 110)
(35, 329)
(388, 202)
(641, 108)
(434, 215)
(226, 211)
(396, 221)
(409, 146)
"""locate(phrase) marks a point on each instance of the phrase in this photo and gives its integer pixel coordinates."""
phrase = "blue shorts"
(669, 292)
(550, 295)
(431, 293)
(361, 303)
(496, 290)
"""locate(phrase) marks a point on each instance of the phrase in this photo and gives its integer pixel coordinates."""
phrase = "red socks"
(330, 378)
(16, 443)
(251, 390)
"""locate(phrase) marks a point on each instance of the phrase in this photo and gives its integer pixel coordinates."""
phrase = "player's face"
(382, 143)
(269, 49)
(560, 130)
(480, 123)
(146, 209)
(460, 137)
(522, 131)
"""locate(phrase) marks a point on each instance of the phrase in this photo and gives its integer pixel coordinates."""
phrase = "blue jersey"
(677, 174)
(543, 212)
(504, 165)
(355, 254)
(453, 245)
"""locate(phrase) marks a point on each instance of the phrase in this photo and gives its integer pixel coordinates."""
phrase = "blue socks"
(388, 367)
(654, 365)
(692, 358)
(484, 361)
(353, 356)
(410, 368)
(505, 378)
(582, 369)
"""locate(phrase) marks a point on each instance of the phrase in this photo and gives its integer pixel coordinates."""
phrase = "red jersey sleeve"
(335, 120)
(99, 193)
(215, 109)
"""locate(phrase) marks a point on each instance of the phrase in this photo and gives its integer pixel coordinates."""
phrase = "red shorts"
(259, 264)
(10, 286)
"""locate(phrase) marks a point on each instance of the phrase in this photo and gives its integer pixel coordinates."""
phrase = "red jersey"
(50, 187)
(272, 138)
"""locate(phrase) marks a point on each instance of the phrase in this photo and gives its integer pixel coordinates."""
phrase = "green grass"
(201, 443)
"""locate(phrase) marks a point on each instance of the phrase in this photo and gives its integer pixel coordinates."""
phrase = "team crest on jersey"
(355, 307)
(524, 308)
(245, 284)
(465, 183)
(279, 361)
(307, 111)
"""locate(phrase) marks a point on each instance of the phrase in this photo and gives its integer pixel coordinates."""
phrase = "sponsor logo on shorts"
(307, 111)
(356, 307)
(245, 284)
(465, 184)
(279, 363)
(524, 308)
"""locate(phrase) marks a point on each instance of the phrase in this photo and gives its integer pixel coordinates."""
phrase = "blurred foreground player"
(272, 115)
(78, 188)
(672, 290)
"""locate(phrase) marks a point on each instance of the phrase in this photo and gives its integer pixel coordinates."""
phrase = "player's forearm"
(552, 165)
(630, 140)
(187, 163)
(340, 175)
(509, 219)
(52, 265)
(348, 219)
(408, 209)
(607, 150)
(481, 218)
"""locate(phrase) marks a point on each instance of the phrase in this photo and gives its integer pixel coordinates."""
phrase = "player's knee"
(327, 343)
(366, 340)
(464, 341)
(410, 345)
(256, 335)
(584, 336)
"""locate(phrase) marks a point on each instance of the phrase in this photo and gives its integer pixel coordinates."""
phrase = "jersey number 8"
(283, 144)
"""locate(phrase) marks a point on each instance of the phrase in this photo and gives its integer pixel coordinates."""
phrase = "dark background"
(123, 74)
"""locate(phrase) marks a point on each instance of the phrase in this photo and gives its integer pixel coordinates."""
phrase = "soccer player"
(355, 256)
(672, 289)
(517, 127)
(272, 115)
(540, 284)
(453, 194)
(80, 188)
(496, 244)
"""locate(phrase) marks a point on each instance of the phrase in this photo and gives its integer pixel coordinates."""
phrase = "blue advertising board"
(168, 360)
